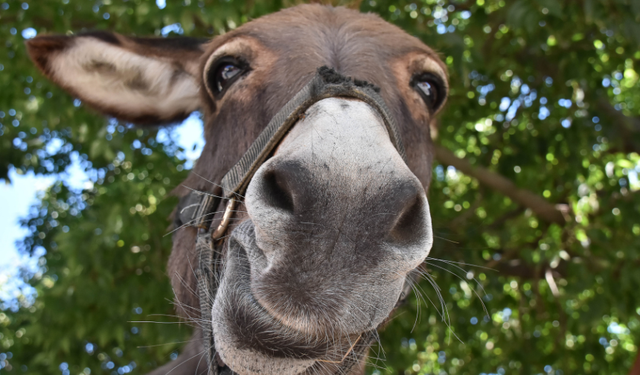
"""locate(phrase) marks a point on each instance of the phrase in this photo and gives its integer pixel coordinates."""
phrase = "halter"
(198, 207)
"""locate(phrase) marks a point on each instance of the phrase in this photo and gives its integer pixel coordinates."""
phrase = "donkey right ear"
(139, 80)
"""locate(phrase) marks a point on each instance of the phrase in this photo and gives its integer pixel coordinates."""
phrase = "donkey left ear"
(139, 80)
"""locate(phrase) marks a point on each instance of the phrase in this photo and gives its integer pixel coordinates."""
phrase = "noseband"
(198, 207)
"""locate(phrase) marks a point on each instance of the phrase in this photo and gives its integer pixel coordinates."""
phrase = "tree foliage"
(544, 93)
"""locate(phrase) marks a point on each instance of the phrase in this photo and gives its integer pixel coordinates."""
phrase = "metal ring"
(225, 220)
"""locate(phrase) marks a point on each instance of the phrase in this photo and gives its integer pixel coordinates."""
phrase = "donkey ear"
(139, 80)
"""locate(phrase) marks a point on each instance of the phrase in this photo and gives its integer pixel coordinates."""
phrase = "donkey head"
(333, 222)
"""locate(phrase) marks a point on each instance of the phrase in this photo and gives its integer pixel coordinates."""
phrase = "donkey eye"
(224, 74)
(430, 89)
(427, 90)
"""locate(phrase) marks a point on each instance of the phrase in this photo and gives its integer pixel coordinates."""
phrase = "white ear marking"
(119, 80)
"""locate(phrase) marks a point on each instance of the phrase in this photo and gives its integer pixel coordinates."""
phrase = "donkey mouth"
(251, 340)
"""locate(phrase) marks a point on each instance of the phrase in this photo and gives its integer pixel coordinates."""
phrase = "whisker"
(474, 290)
(205, 193)
(191, 222)
(214, 184)
(156, 345)
(446, 239)
(462, 263)
(185, 361)
(466, 272)
(419, 299)
(437, 289)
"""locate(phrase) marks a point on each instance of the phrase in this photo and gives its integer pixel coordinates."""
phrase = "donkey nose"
(290, 188)
(284, 187)
(288, 195)
(338, 175)
(408, 214)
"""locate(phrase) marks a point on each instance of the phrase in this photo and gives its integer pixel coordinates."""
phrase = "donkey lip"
(254, 326)
(241, 319)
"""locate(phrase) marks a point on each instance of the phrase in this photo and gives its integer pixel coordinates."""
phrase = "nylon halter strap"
(198, 208)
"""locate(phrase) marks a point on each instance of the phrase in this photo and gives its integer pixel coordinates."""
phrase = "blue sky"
(16, 199)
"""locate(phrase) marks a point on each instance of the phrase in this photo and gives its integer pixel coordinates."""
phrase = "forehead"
(309, 36)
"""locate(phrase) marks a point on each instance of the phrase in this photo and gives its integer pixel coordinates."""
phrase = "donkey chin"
(278, 309)
(253, 337)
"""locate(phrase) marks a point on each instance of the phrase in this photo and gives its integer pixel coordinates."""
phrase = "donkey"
(325, 177)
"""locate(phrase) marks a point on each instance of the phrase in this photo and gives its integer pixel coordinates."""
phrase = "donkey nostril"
(276, 191)
(410, 226)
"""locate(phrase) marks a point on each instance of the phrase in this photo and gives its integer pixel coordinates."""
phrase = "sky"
(17, 197)
(15, 200)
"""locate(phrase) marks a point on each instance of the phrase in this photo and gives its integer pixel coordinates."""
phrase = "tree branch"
(543, 209)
